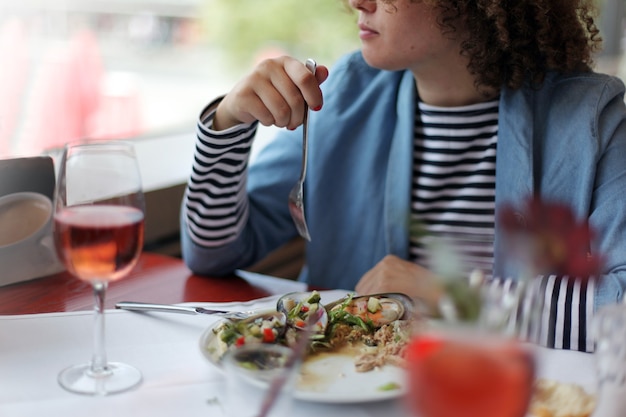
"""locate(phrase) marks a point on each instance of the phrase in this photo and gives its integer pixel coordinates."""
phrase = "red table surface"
(156, 278)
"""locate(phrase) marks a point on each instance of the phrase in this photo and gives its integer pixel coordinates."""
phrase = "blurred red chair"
(73, 98)
(65, 94)
(119, 115)
(14, 50)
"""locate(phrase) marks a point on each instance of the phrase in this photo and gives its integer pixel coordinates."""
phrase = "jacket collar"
(399, 177)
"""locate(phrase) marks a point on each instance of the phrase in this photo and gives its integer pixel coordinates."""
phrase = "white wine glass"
(98, 233)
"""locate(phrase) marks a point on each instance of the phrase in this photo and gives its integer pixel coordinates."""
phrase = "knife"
(171, 308)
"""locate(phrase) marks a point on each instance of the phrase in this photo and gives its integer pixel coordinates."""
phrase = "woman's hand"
(274, 94)
(393, 274)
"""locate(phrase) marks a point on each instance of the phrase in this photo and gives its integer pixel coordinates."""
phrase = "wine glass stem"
(99, 361)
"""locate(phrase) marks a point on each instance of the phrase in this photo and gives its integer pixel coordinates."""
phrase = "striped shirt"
(454, 177)
(453, 198)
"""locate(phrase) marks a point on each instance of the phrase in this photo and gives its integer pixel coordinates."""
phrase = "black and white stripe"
(567, 304)
(216, 204)
(454, 175)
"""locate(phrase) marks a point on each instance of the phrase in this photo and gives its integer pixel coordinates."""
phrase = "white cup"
(26, 246)
(247, 386)
(23, 216)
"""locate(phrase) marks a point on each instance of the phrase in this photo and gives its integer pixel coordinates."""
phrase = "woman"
(406, 130)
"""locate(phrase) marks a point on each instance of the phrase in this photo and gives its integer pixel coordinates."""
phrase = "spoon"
(296, 198)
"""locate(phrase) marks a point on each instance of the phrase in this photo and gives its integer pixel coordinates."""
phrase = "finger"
(321, 74)
(261, 109)
(263, 96)
(360, 287)
(273, 86)
(366, 284)
(286, 101)
(247, 104)
(307, 82)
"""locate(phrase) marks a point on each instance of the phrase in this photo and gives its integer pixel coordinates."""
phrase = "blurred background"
(123, 68)
(71, 69)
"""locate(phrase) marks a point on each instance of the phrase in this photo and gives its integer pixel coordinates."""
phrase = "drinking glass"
(98, 233)
(471, 368)
(251, 370)
(466, 373)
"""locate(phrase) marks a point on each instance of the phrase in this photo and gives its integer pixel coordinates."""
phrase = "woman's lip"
(366, 32)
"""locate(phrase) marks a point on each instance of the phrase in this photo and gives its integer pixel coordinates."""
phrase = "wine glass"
(98, 233)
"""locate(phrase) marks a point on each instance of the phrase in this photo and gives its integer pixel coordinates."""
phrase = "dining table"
(46, 325)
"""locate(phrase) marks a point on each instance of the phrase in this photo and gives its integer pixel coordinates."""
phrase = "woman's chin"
(375, 60)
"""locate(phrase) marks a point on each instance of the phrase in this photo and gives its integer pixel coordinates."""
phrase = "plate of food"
(355, 346)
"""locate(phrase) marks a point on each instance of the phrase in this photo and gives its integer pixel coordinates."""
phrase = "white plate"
(332, 378)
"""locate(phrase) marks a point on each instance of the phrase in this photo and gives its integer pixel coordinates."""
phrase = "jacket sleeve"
(608, 208)
(232, 216)
(597, 193)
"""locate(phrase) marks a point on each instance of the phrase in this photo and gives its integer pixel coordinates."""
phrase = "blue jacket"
(565, 141)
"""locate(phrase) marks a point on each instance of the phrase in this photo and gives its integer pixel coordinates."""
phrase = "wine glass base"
(118, 377)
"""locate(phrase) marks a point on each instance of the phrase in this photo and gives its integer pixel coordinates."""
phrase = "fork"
(296, 198)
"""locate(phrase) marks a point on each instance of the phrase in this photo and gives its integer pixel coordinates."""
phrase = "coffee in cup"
(22, 215)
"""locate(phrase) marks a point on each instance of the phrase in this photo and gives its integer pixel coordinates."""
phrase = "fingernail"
(318, 108)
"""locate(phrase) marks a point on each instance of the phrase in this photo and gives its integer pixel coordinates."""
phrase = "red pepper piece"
(268, 335)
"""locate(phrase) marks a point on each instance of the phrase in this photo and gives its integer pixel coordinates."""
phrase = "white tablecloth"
(178, 381)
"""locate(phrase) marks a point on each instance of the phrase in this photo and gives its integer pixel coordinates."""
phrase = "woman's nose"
(365, 5)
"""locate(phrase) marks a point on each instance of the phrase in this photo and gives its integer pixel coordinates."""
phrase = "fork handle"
(166, 308)
(311, 66)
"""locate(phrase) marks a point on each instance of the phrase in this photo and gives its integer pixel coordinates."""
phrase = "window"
(75, 69)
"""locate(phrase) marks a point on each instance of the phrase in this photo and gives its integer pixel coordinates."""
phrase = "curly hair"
(509, 42)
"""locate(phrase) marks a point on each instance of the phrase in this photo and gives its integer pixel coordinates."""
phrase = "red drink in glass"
(99, 242)
(468, 376)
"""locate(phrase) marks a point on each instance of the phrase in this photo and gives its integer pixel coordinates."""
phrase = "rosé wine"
(99, 242)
